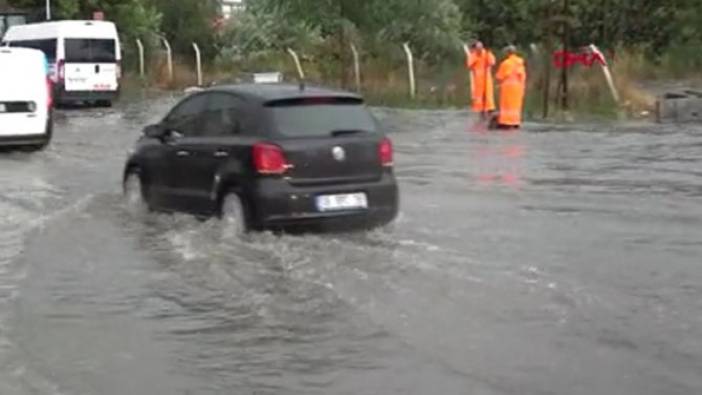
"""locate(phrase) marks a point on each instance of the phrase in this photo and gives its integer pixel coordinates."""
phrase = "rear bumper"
(64, 96)
(24, 140)
(30, 139)
(278, 204)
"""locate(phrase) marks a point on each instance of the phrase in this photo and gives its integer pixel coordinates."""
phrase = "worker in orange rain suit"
(511, 75)
(480, 62)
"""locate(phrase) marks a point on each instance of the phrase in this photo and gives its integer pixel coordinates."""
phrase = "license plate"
(2, 108)
(347, 201)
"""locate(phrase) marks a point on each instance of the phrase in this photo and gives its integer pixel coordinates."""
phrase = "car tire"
(134, 196)
(41, 146)
(104, 103)
(233, 215)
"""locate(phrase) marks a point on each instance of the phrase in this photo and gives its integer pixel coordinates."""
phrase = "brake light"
(61, 71)
(385, 152)
(269, 159)
(49, 93)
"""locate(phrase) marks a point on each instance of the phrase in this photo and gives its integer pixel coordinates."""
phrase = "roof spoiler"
(193, 89)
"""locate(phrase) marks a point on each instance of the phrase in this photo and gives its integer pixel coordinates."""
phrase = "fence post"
(356, 67)
(410, 67)
(298, 65)
(141, 57)
(169, 60)
(198, 61)
(607, 74)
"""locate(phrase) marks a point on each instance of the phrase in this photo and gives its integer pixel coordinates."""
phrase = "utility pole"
(566, 47)
(48, 10)
(547, 60)
(342, 44)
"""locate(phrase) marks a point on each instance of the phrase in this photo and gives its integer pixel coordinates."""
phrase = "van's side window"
(47, 46)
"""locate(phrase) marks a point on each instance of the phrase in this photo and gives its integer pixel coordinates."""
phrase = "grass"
(385, 81)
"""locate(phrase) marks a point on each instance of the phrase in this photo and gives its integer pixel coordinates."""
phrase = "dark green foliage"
(435, 28)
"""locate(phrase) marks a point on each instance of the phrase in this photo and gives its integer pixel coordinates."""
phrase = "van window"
(81, 50)
(47, 46)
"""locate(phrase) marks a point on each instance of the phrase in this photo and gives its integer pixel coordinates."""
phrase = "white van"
(25, 99)
(84, 57)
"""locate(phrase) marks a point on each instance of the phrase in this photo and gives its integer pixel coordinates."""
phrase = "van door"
(90, 65)
(23, 93)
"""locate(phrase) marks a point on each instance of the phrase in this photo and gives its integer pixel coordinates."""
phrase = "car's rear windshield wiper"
(347, 132)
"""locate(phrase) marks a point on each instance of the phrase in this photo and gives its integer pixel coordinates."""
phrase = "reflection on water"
(499, 158)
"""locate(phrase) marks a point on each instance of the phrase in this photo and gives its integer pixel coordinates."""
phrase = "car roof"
(62, 29)
(267, 93)
(21, 69)
(22, 54)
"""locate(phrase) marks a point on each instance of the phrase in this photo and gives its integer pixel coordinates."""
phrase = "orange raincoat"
(511, 76)
(480, 64)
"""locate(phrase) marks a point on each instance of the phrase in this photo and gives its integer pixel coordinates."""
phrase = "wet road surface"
(556, 260)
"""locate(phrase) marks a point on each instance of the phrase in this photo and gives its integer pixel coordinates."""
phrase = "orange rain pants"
(511, 75)
(480, 64)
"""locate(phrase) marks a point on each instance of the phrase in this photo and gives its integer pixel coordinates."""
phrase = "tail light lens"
(61, 71)
(385, 152)
(119, 70)
(49, 93)
(269, 159)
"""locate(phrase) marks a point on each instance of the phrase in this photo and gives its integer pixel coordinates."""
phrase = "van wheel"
(134, 196)
(32, 148)
(41, 146)
(104, 103)
(38, 147)
(233, 216)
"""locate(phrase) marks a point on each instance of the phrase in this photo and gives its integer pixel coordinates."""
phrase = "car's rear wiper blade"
(346, 132)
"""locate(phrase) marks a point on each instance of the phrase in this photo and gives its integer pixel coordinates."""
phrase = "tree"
(142, 18)
(187, 22)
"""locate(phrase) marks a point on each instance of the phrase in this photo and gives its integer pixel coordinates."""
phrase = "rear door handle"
(221, 154)
(183, 153)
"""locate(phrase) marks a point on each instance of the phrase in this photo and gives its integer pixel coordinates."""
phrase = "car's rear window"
(81, 50)
(321, 117)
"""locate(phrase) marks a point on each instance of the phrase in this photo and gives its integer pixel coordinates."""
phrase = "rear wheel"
(33, 148)
(104, 103)
(233, 215)
(134, 196)
(47, 139)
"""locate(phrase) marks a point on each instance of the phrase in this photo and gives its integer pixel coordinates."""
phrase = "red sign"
(567, 59)
(98, 16)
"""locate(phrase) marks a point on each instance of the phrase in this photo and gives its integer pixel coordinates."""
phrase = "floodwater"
(554, 260)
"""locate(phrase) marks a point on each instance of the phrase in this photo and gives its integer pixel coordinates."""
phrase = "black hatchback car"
(267, 157)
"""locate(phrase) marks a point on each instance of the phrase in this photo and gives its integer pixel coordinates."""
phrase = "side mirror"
(154, 131)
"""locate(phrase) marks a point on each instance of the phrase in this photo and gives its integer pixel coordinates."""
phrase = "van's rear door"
(23, 93)
(90, 65)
